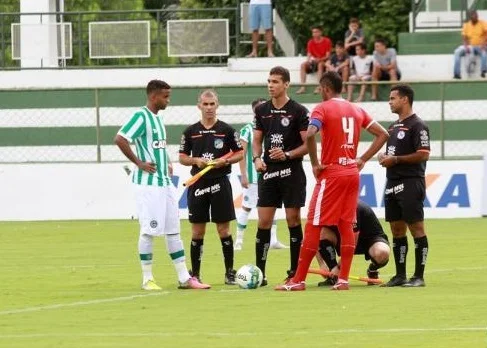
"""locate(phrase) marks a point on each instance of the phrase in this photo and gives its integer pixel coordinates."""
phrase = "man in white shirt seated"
(362, 66)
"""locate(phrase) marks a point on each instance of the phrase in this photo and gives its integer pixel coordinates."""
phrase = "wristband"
(254, 158)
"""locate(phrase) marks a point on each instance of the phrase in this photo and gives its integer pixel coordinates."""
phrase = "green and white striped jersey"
(247, 135)
(147, 131)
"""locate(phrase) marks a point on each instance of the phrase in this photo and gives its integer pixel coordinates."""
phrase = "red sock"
(347, 248)
(309, 247)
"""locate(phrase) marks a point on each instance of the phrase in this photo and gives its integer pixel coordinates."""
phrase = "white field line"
(247, 334)
(82, 303)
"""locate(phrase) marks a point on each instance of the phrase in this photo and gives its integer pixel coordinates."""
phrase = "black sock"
(196, 256)
(400, 249)
(374, 265)
(262, 242)
(295, 239)
(328, 253)
(227, 249)
(421, 254)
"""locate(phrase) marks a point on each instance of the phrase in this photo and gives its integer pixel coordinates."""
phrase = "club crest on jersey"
(153, 224)
(284, 121)
(159, 144)
(218, 144)
(401, 134)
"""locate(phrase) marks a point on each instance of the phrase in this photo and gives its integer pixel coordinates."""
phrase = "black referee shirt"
(406, 137)
(281, 127)
(212, 143)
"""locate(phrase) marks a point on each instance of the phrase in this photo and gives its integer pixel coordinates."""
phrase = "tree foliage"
(379, 18)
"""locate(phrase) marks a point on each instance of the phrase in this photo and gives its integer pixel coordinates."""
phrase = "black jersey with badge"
(210, 143)
(406, 137)
(367, 223)
(281, 127)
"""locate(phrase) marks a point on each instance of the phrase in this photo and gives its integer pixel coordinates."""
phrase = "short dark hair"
(332, 80)
(281, 71)
(404, 91)
(339, 44)
(257, 101)
(354, 20)
(319, 27)
(380, 40)
(362, 46)
(156, 85)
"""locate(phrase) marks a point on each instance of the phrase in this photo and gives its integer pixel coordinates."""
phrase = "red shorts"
(334, 199)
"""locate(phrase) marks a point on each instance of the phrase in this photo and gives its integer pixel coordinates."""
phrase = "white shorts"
(250, 196)
(157, 208)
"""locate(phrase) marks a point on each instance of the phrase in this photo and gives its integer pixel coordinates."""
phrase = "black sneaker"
(457, 77)
(397, 280)
(482, 74)
(264, 282)
(230, 277)
(414, 282)
(329, 281)
(372, 275)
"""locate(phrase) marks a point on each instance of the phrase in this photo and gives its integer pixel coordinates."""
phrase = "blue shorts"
(260, 16)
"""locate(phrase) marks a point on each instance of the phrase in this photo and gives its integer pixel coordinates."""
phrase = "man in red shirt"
(318, 51)
(334, 200)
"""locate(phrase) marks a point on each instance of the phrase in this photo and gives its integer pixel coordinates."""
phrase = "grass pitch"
(77, 284)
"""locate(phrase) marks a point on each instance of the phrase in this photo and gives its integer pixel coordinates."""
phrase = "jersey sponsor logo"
(218, 144)
(208, 156)
(273, 111)
(207, 131)
(285, 121)
(345, 161)
(276, 140)
(277, 174)
(201, 192)
(236, 136)
(425, 142)
(159, 144)
(391, 150)
(401, 134)
(348, 146)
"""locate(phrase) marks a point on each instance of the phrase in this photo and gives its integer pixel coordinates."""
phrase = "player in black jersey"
(408, 149)
(203, 142)
(281, 124)
(372, 242)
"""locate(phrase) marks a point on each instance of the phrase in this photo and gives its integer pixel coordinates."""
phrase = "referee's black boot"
(230, 277)
(372, 275)
(397, 280)
(414, 282)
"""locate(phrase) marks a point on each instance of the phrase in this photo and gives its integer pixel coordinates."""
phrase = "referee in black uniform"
(205, 141)
(281, 124)
(372, 242)
(408, 149)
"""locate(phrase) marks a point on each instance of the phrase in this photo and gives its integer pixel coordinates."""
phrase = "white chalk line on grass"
(248, 334)
(82, 303)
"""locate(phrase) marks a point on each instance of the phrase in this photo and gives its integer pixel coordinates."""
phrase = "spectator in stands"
(339, 62)
(362, 67)
(260, 15)
(318, 51)
(353, 36)
(385, 65)
(474, 35)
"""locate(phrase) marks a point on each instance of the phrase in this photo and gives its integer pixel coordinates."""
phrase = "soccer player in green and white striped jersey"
(156, 199)
(249, 184)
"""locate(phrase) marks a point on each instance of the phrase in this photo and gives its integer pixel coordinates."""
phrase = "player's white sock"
(176, 252)
(242, 219)
(145, 254)
(274, 232)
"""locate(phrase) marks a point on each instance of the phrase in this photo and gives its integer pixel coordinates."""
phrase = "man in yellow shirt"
(474, 35)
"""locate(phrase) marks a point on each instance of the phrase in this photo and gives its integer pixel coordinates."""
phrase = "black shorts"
(282, 183)
(211, 196)
(404, 200)
(364, 242)
(385, 76)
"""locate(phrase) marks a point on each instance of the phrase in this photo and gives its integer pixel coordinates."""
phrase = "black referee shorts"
(282, 183)
(211, 197)
(404, 200)
(364, 242)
